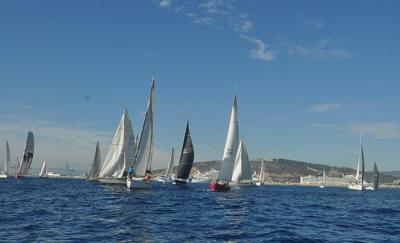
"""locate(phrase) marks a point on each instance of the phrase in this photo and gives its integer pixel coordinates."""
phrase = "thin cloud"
(165, 3)
(314, 23)
(322, 50)
(218, 14)
(379, 130)
(329, 107)
(24, 106)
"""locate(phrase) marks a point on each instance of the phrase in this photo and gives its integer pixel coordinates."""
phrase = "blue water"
(78, 211)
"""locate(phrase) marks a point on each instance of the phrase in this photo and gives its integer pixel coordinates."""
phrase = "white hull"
(259, 183)
(116, 181)
(321, 186)
(243, 184)
(138, 183)
(3, 176)
(201, 180)
(355, 187)
(370, 188)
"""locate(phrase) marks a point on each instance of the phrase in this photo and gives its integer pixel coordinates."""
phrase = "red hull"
(218, 187)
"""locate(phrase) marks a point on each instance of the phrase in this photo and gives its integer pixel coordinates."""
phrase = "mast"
(168, 173)
(231, 145)
(241, 170)
(187, 156)
(362, 166)
(144, 153)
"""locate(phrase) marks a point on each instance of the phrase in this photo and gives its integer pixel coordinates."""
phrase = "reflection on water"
(76, 210)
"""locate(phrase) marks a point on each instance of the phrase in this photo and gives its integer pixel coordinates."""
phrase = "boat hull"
(259, 183)
(179, 182)
(3, 176)
(355, 187)
(138, 183)
(115, 181)
(219, 187)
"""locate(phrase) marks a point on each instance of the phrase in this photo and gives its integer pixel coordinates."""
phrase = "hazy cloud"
(326, 107)
(322, 50)
(380, 130)
(165, 3)
(314, 23)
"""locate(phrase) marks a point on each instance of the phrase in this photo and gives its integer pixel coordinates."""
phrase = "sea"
(67, 210)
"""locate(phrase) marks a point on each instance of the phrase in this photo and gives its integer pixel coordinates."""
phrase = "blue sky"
(310, 76)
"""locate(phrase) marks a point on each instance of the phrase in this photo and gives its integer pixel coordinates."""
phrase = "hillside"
(284, 170)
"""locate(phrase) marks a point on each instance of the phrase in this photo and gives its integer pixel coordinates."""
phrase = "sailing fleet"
(129, 159)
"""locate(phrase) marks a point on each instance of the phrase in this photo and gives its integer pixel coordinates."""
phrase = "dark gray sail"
(95, 168)
(187, 156)
(375, 177)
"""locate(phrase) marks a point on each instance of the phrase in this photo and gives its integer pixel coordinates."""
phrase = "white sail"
(360, 162)
(27, 156)
(262, 172)
(123, 144)
(43, 171)
(324, 176)
(168, 174)
(95, 168)
(7, 157)
(231, 145)
(241, 170)
(144, 154)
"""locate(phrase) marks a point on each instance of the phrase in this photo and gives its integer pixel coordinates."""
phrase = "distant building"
(330, 181)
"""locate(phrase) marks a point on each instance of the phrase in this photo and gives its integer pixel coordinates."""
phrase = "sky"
(310, 76)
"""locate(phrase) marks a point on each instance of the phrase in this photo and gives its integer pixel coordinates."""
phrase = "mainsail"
(324, 177)
(7, 157)
(123, 145)
(27, 156)
(262, 172)
(231, 145)
(360, 164)
(168, 174)
(375, 178)
(187, 156)
(241, 170)
(95, 168)
(43, 171)
(144, 154)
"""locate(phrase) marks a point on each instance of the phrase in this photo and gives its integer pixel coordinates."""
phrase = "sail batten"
(187, 156)
(144, 154)
(231, 145)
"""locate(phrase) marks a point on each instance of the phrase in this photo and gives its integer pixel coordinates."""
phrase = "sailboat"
(262, 173)
(230, 150)
(241, 171)
(120, 156)
(139, 176)
(359, 182)
(168, 173)
(43, 172)
(95, 168)
(27, 156)
(186, 159)
(4, 173)
(375, 179)
(324, 179)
